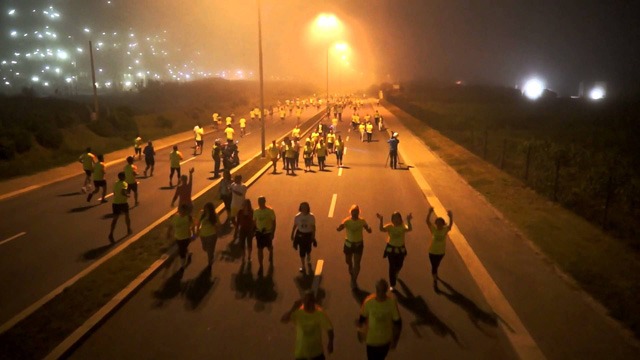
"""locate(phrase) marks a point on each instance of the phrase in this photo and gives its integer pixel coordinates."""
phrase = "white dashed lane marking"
(12, 238)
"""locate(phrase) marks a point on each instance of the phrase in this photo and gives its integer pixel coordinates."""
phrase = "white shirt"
(305, 223)
(237, 200)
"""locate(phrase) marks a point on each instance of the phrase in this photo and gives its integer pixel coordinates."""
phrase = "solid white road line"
(186, 161)
(333, 205)
(340, 172)
(347, 138)
(106, 196)
(345, 151)
(12, 238)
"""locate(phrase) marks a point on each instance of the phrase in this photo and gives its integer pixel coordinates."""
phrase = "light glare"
(533, 89)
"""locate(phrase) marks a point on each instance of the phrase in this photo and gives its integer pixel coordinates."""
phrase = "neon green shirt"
(87, 160)
(309, 327)
(438, 241)
(174, 159)
(118, 197)
(354, 229)
(98, 171)
(207, 228)
(130, 173)
(182, 226)
(396, 234)
(264, 218)
(380, 317)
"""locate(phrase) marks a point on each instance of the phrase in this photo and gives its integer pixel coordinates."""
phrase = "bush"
(7, 148)
(21, 139)
(49, 136)
(102, 127)
(163, 122)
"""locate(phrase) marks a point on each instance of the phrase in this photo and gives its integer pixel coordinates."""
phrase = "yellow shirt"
(118, 197)
(264, 218)
(199, 132)
(182, 226)
(87, 160)
(339, 145)
(321, 150)
(174, 159)
(354, 229)
(130, 173)
(380, 317)
(98, 171)
(243, 122)
(207, 228)
(229, 131)
(228, 120)
(438, 242)
(331, 138)
(137, 142)
(309, 327)
(396, 234)
(274, 151)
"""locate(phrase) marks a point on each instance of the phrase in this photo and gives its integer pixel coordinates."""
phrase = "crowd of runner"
(379, 324)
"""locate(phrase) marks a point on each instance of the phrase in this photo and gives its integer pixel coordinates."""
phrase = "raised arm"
(381, 227)
(191, 176)
(450, 213)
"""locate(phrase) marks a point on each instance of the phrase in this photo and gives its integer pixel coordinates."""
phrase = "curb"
(70, 342)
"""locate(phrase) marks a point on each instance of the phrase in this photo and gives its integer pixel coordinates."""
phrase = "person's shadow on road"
(475, 313)
(233, 251)
(198, 288)
(264, 289)
(424, 315)
(171, 288)
(360, 295)
(96, 253)
(243, 283)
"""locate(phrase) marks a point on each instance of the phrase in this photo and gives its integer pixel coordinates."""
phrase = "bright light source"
(533, 88)
(14, 33)
(597, 93)
(12, 11)
(35, 79)
(62, 55)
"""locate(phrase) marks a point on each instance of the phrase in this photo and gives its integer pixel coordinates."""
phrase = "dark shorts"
(99, 183)
(149, 161)
(304, 241)
(321, 158)
(354, 249)
(88, 172)
(138, 150)
(120, 208)
(132, 187)
(264, 240)
(200, 142)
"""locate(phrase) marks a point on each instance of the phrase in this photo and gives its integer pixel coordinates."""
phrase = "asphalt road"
(64, 233)
(235, 314)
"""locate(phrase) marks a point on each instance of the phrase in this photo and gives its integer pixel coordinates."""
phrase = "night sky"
(493, 41)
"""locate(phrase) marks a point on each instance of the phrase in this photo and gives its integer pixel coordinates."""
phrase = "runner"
(321, 152)
(243, 125)
(183, 232)
(174, 162)
(87, 160)
(295, 133)
(303, 235)
(224, 189)
(331, 139)
(310, 320)
(229, 132)
(290, 156)
(98, 180)
(183, 191)
(216, 152)
(369, 130)
(393, 150)
(361, 128)
(439, 230)
(395, 251)
(216, 120)
(339, 150)
(380, 323)
(307, 154)
(264, 220)
(208, 228)
(199, 133)
(137, 147)
(149, 158)
(245, 229)
(120, 205)
(354, 244)
(238, 192)
(274, 152)
(282, 112)
(130, 172)
(228, 121)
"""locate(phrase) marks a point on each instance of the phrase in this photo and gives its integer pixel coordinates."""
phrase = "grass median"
(602, 265)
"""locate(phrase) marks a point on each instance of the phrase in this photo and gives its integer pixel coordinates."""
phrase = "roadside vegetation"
(41, 133)
(564, 172)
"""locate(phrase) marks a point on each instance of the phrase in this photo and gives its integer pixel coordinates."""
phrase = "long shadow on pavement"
(70, 194)
(264, 289)
(171, 288)
(424, 315)
(82, 208)
(96, 253)
(197, 289)
(476, 315)
(243, 283)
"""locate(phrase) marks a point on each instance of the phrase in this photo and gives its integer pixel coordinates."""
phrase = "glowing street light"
(533, 89)
(328, 26)
(597, 93)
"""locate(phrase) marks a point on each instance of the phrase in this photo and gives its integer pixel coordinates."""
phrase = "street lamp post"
(262, 134)
(328, 109)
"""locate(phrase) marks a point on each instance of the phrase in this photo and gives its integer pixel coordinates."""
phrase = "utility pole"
(95, 89)
(262, 135)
